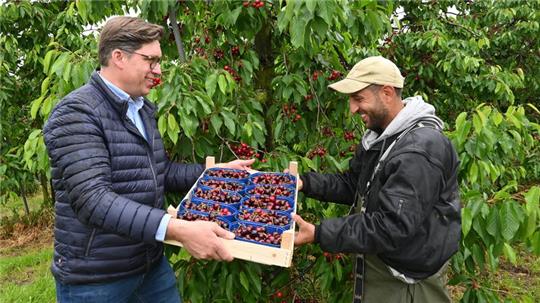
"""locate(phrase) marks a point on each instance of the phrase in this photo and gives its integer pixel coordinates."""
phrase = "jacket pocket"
(89, 244)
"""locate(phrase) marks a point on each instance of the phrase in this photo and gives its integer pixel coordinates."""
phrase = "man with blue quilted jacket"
(110, 172)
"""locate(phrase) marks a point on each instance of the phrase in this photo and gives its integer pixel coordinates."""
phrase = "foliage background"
(476, 61)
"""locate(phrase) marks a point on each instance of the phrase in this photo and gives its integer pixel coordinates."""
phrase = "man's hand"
(237, 164)
(200, 238)
(298, 180)
(306, 232)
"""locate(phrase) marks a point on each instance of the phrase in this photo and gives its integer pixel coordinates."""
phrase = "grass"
(25, 276)
(26, 252)
(520, 282)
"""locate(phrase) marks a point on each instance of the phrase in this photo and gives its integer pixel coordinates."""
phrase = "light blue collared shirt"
(133, 114)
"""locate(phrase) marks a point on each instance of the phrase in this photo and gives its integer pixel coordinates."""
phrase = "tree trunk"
(25, 201)
(45, 189)
(177, 36)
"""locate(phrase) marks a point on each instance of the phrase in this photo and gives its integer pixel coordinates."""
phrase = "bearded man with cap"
(404, 223)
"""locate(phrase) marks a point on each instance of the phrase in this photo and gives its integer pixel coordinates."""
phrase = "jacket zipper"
(151, 150)
(87, 252)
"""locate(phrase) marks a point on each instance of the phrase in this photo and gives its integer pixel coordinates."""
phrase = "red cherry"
(245, 3)
(156, 82)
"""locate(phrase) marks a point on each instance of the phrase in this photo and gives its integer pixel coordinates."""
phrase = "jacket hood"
(415, 110)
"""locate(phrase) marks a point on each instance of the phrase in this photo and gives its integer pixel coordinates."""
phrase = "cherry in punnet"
(218, 195)
(267, 202)
(258, 234)
(228, 173)
(214, 209)
(188, 216)
(222, 185)
(264, 217)
(271, 190)
(273, 179)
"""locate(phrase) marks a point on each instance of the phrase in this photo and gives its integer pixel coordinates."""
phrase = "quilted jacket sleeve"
(75, 142)
(180, 177)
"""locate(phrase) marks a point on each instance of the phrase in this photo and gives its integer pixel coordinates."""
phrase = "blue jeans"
(158, 285)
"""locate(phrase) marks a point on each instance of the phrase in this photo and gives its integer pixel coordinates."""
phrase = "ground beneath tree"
(25, 237)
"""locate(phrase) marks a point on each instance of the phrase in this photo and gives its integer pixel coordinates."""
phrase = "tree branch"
(177, 37)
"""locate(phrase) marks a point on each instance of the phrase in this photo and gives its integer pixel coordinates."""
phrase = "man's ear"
(118, 58)
(388, 93)
(388, 90)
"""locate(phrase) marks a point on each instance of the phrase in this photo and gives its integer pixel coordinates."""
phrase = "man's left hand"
(237, 164)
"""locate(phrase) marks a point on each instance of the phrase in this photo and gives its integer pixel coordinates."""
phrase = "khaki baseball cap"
(372, 70)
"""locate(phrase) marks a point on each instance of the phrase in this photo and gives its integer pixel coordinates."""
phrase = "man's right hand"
(299, 180)
(200, 238)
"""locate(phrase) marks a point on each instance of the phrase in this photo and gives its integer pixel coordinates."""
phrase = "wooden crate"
(259, 253)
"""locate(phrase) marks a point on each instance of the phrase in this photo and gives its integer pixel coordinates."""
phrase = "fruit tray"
(263, 245)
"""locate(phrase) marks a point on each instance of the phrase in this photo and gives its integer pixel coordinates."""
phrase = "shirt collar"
(138, 102)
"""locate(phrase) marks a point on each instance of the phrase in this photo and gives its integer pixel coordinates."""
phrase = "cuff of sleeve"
(305, 182)
(162, 228)
(317, 234)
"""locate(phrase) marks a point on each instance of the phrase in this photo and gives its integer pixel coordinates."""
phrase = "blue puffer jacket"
(109, 186)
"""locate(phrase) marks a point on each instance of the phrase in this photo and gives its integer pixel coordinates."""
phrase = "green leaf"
(210, 84)
(255, 278)
(229, 287)
(171, 122)
(247, 65)
(45, 85)
(229, 122)
(466, 220)
(532, 210)
(297, 30)
(66, 75)
(339, 271)
(234, 15)
(244, 280)
(492, 223)
(47, 106)
(248, 129)
(510, 220)
(222, 84)
(162, 125)
(311, 5)
(510, 253)
(35, 107)
(216, 122)
(59, 64)
(47, 61)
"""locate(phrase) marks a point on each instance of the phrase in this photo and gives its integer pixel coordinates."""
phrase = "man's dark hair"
(377, 87)
(127, 33)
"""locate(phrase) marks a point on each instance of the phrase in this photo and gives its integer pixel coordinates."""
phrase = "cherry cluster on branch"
(290, 111)
(334, 75)
(317, 151)
(256, 4)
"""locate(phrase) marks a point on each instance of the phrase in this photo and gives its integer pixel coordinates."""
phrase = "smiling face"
(376, 105)
(370, 107)
(138, 75)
